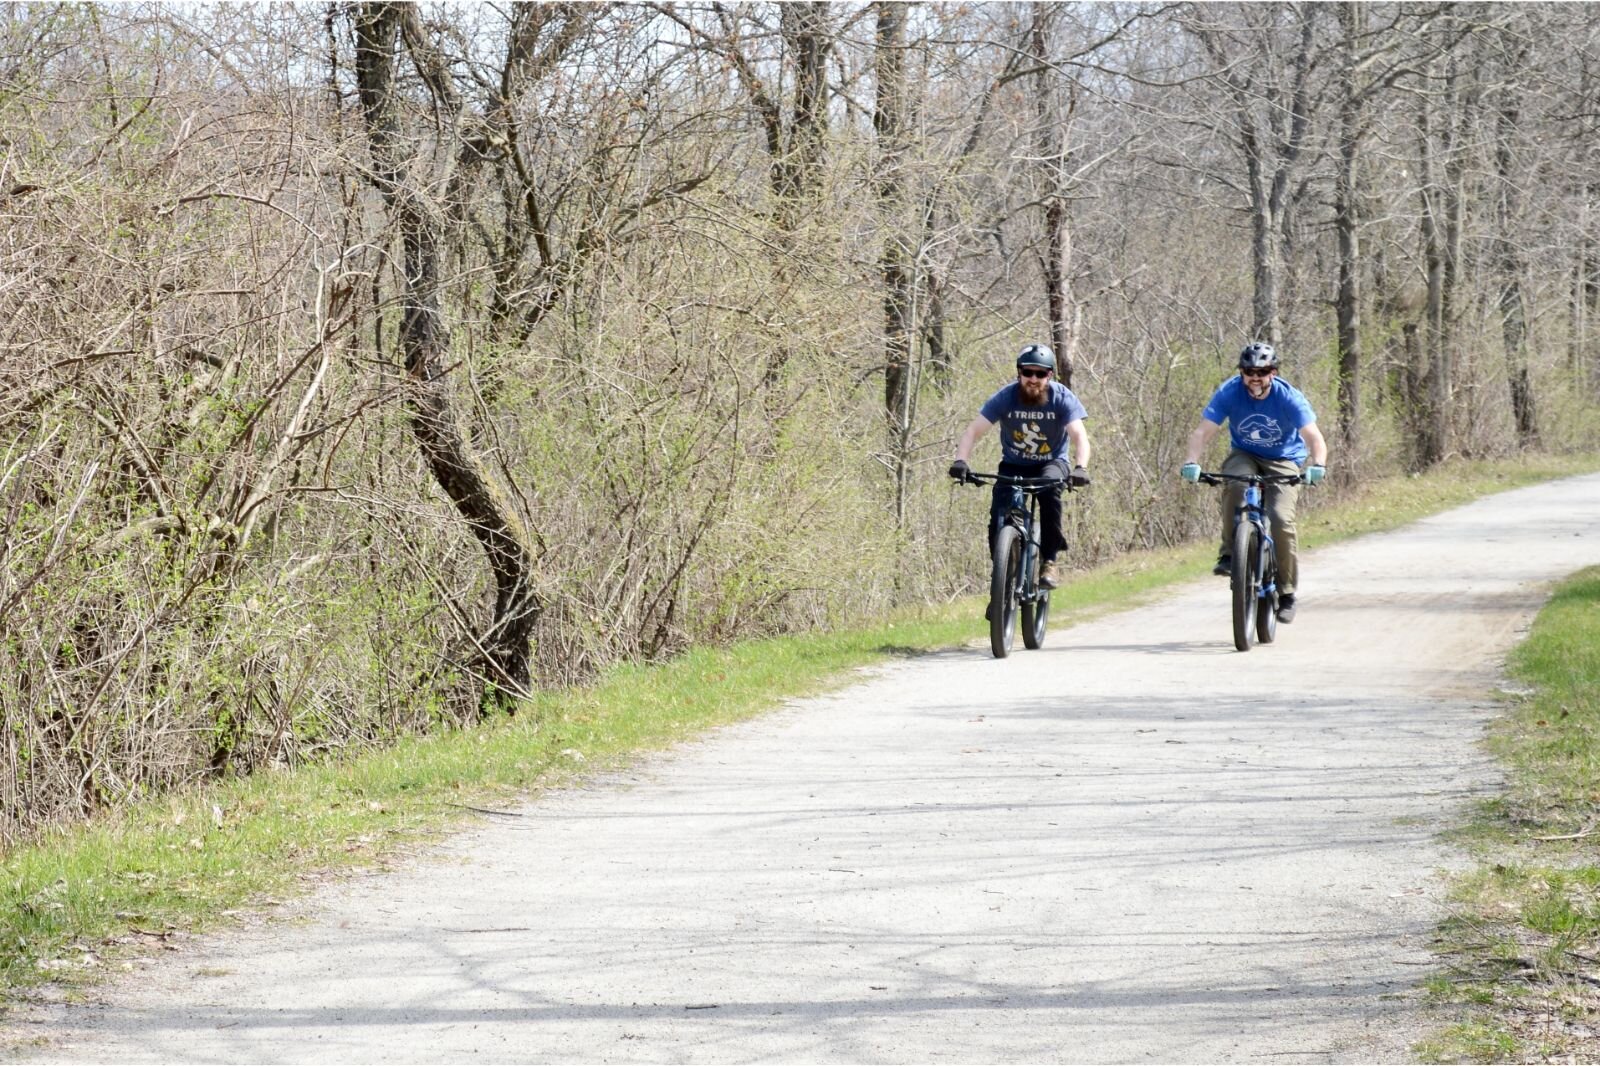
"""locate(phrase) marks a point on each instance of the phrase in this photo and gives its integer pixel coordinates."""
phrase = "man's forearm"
(1202, 436)
(1081, 449)
(975, 429)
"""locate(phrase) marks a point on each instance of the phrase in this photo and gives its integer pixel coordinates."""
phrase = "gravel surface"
(1133, 845)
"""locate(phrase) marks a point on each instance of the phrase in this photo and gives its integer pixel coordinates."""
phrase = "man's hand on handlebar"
(1190, 472)
(1315, 473)
(1078, 478)
(960, 470)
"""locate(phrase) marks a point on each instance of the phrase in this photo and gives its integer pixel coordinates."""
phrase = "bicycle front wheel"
(1003, 591)
(1246, 584)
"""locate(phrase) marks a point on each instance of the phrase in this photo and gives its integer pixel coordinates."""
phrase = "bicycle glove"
(1315, 473)
(1078, 478)
(959, 470)
(1190, 472)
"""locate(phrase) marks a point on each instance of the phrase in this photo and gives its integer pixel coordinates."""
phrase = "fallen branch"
(484, 810)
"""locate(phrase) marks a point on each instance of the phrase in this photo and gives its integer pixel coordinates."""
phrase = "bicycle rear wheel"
(1035, 613)
(1246, 583)
(1267, 602)
(1003, 591)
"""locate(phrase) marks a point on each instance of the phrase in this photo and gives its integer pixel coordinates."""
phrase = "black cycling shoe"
(1224, 565)
(1286, 607)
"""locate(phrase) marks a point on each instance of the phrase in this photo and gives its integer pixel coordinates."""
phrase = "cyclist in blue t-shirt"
(1274, 431)
(1041, 431)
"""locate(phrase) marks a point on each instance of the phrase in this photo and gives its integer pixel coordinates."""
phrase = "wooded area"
(364, 366)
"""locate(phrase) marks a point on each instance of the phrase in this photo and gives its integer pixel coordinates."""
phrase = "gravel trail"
(1133, 845)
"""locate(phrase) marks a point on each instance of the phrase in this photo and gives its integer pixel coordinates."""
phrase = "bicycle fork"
(1027, 588)
(1250, 511)
(1016, 516)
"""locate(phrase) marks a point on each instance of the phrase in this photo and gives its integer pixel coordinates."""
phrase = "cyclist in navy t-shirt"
(1274, 431)
(1041, 432)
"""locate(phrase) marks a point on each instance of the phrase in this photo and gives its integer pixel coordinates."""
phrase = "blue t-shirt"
(1033, 434)
(1268, 427)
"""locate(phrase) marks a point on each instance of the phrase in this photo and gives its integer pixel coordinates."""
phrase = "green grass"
(74, 901)
(1524, 943)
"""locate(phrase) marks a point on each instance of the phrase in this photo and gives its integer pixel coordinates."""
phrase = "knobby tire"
(1035, 613)
(1267, 606)
(1003, 591)
(1246, 582)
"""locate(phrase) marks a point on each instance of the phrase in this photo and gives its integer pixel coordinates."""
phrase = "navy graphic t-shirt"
(1033, 434)
(1268, 427)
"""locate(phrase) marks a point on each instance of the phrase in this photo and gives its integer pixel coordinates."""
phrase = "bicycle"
(1014, 577)
(1254, 579)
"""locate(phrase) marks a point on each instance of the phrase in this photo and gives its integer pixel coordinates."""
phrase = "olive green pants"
(1277, 500)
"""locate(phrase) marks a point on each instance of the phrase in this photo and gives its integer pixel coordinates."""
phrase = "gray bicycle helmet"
(1258, 355)
(1037, 355)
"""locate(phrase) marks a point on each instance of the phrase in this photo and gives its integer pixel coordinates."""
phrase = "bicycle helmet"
(1258, 355)
(1037, 355)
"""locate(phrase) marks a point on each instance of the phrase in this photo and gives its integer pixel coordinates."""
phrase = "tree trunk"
(1513, 320)
(1577, 319)
(1590, 285)
(1263, 251)
(1347, 303)
(940, 371)
(796, 140)
(798, 172)
(505, 646)
(1289, 126)
(888, 119)
(1054, 126)
(1441, 226)
(1427, 427)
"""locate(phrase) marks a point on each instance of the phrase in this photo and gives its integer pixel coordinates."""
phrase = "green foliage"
(227, 552)
(1528, 923)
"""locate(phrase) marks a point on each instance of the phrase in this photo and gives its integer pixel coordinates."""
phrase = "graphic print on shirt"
(1030, 441)
(1260, 430)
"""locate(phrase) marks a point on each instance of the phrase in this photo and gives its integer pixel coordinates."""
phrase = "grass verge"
(81, 901)
(1524, 941)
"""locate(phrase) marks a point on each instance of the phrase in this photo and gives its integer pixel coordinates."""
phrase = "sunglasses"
(1027, 373)
(1255, 373)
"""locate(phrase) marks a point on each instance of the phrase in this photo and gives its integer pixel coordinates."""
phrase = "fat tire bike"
(1014, 587)
(1254, 578)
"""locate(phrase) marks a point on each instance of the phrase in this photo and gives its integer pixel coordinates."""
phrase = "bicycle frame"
(1014, 551)
(1250, 507)
(1254, 578)
(1250, 510)
(1022, 513)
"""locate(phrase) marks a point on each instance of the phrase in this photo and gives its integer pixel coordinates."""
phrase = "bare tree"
(601, 294)
(411, 169)
(1512, 48)
(1446, 115)
(1054, 107)
(888, 121)
(1264, 60)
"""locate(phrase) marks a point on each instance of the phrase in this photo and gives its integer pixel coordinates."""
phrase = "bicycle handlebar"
(1209, 478)
(1026, 484)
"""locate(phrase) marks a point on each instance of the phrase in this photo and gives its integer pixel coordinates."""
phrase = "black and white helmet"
(1037, 355)
(1258, 355)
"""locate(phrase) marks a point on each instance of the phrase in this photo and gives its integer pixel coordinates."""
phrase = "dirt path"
(1133, 845)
